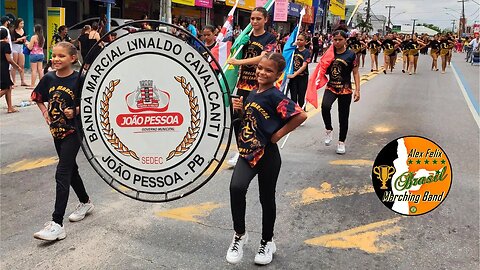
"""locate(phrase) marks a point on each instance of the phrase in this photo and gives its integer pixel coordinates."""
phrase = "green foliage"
(363, 25)
(433, 27)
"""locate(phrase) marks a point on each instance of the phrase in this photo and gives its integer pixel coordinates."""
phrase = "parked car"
(75, 30)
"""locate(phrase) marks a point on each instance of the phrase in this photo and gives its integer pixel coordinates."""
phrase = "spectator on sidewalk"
(5, 61)
(83, 42)
(36, 54)
(18, 40)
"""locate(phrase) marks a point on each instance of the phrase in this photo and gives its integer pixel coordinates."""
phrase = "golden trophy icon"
(384, 172)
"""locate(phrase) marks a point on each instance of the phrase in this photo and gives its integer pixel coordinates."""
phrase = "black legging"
(315, 53)
(267, 169)
(67, 175)
(344, 102)
(298, 89)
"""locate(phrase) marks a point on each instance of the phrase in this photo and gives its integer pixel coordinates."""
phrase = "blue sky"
(438, 12)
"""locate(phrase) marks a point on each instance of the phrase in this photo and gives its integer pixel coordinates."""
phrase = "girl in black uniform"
(299, 79)
(355, 45)
(374, 46)
(363, 50)
(434, 51)
(339, 87)
(389, 51)
(58, 89)
(415, 45)
(404, 46)
(259, 44)
(445, 45)
(267, 115)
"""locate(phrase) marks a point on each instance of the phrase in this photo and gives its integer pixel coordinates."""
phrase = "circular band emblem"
(412, 175)
(154, 118)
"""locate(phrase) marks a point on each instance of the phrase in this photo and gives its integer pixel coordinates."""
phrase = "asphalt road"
(328, 216)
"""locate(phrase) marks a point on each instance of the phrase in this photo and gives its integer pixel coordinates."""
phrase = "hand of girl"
(356, 96)
(233, 61)
(46, 117)
(69, 113)
(275, 137)
(290, 76)
(238, 104)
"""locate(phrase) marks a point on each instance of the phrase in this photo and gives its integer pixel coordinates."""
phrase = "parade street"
(328, 215)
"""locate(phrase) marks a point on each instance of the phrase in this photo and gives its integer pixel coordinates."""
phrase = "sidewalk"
(20, 95)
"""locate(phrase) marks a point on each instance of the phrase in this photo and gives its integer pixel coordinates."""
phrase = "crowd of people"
(265, 114)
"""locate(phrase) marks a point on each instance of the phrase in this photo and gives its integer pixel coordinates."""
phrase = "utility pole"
(462, 20)
(368, 12)
(389, 10)
(413, 29)
(453, 25)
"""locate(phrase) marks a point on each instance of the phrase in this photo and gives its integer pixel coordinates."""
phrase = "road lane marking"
(29, 164)
(467, 94)
(352, 162)
(190, 213)
(365, 238)
(311, 194)
(214, 165)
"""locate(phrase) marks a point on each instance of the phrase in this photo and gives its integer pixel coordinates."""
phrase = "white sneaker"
(265, 252)
(80, 212)
(233, 160)
(341, 148)
(328, 137)
(235, 251)
(52, 231)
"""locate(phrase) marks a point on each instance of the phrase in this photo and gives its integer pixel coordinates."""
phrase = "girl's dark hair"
(209, 27)
(17, 23)
(95, 26)
(71, 49)
(61, 28)
(341, 33)
(277, 58)
(305, 36)
(262, 10)
(39, 32)
(85, 29)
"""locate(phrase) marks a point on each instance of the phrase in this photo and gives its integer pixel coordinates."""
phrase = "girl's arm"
(299, 71)
(44, 111)
(249, 61)
(238, 104)
(356, 78)
(10, 60)
(32, 42)
(292, 124)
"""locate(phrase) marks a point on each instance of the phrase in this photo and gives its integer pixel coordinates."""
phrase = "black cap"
(5, 19)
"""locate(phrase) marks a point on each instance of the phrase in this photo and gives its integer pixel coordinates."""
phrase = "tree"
(364, 26)
(433, 27)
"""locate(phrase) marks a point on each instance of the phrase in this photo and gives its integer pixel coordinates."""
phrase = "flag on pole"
(224, 44)
(318, 79)
(231, 72)
(288, 52)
